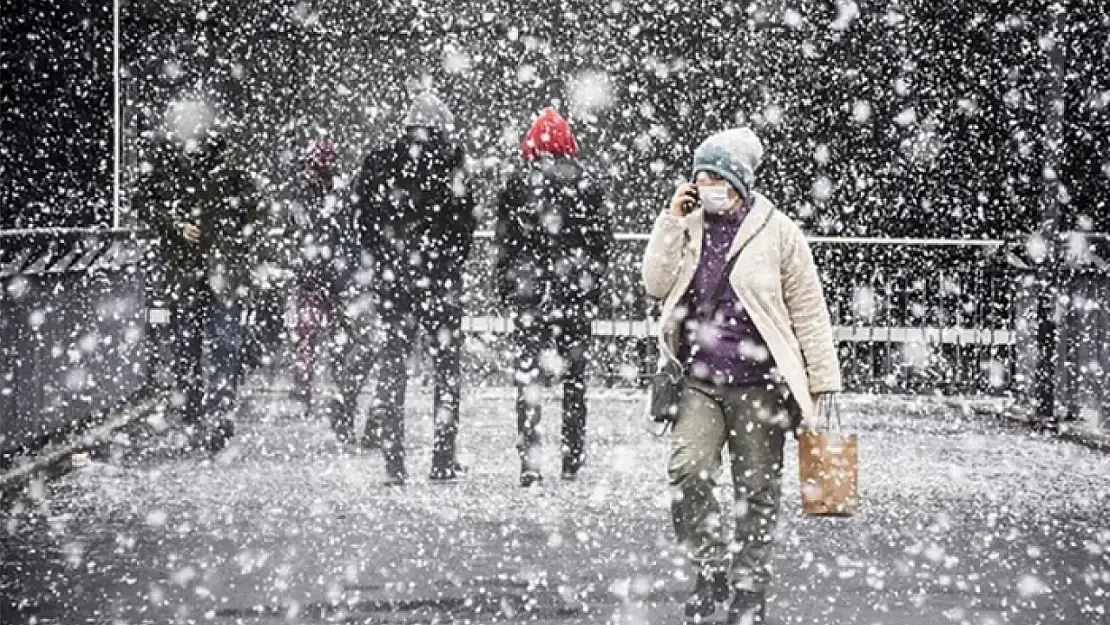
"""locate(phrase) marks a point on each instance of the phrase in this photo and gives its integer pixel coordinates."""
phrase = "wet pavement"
(965, 520)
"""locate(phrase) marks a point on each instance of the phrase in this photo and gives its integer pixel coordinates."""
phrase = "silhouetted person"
(416, 215)
(553, 238)
(321, 260)
(204, 210)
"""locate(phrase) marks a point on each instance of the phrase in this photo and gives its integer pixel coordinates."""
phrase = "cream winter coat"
(775, 279)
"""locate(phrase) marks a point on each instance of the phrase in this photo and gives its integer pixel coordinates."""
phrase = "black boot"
(445, 464)
(710, 589)
(748, 608)
(372, 437)
(530, 467)
(395, 474)
(224, 430)
(445, 470)
(529, 463)
(301, 393)
(212, 437)
(342, 421)
(571, 465)
(530, 477)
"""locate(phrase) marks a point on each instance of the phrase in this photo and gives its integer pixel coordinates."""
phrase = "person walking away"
(266, 337)
(553, 237)
(322, 230)
(204, 209)
(416, 215)
(757, 355)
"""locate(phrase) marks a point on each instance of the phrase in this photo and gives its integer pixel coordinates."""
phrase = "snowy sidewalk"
(966, 520)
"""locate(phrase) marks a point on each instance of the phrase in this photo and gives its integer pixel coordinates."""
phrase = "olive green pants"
(752, 421)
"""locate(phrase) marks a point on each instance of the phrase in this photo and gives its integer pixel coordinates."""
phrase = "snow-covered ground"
(966, 519)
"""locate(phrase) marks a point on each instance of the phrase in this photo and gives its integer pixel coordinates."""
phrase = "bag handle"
(722, 282)
(829, 406)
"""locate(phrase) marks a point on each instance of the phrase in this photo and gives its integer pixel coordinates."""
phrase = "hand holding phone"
(685, 199)
(190, 231)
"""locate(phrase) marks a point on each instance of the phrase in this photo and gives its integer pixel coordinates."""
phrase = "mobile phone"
(694, 202)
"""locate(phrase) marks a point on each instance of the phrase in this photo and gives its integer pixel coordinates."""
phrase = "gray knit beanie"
(734, 155)
(429, 111)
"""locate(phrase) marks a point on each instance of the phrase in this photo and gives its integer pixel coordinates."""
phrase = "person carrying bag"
(669, 382)
(747, 349)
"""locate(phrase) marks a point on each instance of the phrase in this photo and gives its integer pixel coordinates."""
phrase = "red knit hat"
(550, 134)
(319, 157)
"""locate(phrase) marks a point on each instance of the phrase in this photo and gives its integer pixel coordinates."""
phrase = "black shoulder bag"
(669, 382)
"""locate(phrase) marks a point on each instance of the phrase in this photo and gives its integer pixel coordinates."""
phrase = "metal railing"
(910, 315)
(1062, 354)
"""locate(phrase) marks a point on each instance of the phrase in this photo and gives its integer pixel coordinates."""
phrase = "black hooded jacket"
(416, 210)
(209, 188)
(553, 239)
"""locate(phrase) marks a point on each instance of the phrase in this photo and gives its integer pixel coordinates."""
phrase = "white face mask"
(714, 199)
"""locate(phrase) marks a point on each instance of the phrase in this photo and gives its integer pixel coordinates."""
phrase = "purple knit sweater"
(728, 348)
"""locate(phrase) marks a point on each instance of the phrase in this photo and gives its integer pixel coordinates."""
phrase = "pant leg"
(270, 321)
(695, 458)
(388, 413)
(334, 334)
(357, 355)
(573, 341)
(310, 324)
(529, 337)
(224, 337)
(442, 323)
(756, 416)
(188, 311)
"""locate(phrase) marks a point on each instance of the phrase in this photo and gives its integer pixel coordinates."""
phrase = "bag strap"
(830, 407)
(722, 282)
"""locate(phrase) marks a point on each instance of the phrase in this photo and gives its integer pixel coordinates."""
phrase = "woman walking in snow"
(754, 340)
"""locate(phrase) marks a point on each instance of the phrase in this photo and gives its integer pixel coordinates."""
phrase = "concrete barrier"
(72, 331)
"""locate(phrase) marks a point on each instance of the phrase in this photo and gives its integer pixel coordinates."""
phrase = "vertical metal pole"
(116, 126)
(1049, 280)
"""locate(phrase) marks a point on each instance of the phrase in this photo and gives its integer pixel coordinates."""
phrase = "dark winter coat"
(553, 239)
(208, 190)
(323, 228)
(416, 211)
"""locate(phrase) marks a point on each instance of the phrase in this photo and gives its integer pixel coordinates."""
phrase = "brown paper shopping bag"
(828, 466)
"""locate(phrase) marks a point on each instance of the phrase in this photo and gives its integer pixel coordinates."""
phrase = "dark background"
(55, 113)
(961, 128)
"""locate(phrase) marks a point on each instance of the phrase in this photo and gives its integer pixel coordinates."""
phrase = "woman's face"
(710, 179)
